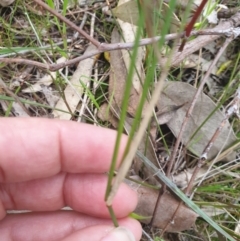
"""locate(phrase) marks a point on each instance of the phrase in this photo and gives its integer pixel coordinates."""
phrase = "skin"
(46, 165)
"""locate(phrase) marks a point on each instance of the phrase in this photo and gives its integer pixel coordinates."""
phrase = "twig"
(25, 61)
(190, 47)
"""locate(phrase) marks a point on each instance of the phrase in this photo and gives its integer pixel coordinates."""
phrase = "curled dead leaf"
(118, 76)
(147, 198)
(177, 93)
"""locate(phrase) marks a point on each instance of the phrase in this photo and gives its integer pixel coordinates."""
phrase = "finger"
(102, 233)
(55, 226)
(37, 148)
(82, 192)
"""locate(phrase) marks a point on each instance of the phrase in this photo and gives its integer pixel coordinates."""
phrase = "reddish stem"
(190, 25)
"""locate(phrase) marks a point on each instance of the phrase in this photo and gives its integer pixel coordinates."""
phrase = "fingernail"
(119, 234)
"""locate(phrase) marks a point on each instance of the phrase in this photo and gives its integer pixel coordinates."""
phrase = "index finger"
(34, 148)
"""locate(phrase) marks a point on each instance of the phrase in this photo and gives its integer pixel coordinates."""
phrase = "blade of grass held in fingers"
(136, 141)
(110, 191)
(128, 157)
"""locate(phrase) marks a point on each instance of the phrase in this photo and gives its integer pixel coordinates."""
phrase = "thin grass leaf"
(90, 95)
(137, 216)
(124, 107)
(183, 197)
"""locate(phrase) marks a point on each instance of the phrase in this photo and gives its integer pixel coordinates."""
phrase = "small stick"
(111, 47)
(190, 48)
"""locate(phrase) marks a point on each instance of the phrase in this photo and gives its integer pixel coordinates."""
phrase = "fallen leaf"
(128, 32)
(75, 88)
(147, 198)
(128, 12)
(118, 76)
(166, 114)
(181, 179)
(212, 211)
(18, 110)
(177, 93)
(50, 95)
(5, 3)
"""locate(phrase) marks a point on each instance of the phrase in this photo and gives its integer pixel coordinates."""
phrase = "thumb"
(119, 234)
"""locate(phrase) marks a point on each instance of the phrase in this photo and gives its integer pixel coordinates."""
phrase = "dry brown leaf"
(51, 96)
(200, 42)
(18, 110)
(118, 76)
(5, 3)
(176, 93)
(166, 114)
(182, 179)
(212, 211)
(147, 197)
(128, 12)
(75, 89)
(128, 32)
(105, 114)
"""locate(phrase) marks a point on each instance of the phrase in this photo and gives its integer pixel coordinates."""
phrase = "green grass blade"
(124, 106)
(183, 197)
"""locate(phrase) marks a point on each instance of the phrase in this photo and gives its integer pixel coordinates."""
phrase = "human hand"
(46, 165)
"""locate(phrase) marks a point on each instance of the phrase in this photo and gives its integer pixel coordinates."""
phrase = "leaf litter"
(194, 139)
